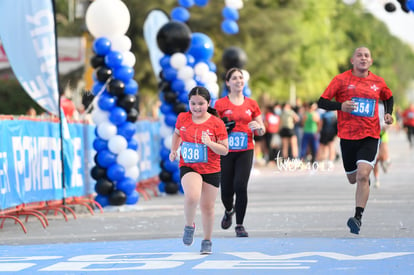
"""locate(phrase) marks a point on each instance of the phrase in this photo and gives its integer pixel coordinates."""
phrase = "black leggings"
(235, 173)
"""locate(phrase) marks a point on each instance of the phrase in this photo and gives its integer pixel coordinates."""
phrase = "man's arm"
(328, 104)
(389, 105)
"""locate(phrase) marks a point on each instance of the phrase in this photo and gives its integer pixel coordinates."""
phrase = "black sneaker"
(354, 225)
(241, 232)
(227, 219)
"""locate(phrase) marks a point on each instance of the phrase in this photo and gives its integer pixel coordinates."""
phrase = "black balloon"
(97, 61)
(234, 57)
(180, 107)
(116, 87)
(174, 37)
(165, 176)
(390, 7)
(104, 186)
(103, 73)
(164, 85)
(127, 102)
(171, 187)
(132, 115)
(170, 96)
(98, 172)
(117, 197)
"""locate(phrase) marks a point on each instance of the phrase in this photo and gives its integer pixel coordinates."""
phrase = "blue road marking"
(230, 255)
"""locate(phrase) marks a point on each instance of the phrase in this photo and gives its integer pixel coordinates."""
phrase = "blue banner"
(27, 31)
(30, 169)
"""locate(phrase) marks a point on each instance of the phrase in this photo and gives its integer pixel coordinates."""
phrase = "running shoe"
(241, 232)
(188, 236)
(354, 225)
(227, 219)
(205, 247)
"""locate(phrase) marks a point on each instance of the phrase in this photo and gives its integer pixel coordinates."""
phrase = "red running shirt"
(241, 114)
(191, 132)
(366, 91)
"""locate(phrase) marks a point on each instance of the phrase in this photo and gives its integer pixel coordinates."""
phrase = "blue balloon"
(102, 200)
(132, 198)
(170, 119)
(166, 108)
(190, 60)
(164, 152)
(229, 27)
(161, 187)
(246, 91)
(101, 46)
(201, 47)
(186, 3)
(180, 14)
(115, 172)
(133, 144)
(201, 3)
(131, 87)
(126, 185)
(127, 130)
(100, 144)
(178, 85)
(230, 13)
(113, 59)
(105, 158)
(410, 5)
(171, 166)
(212, 66)
(124, 73)
(97, 87)
(118, 115)
(183, 97)
(106, 102)
(176, 176)
(165, 61)
(169, 74)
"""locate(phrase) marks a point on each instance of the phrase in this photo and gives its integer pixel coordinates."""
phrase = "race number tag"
(193, 152)
(237, 141)
(365, 107)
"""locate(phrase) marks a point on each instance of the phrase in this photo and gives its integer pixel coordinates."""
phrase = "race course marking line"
(244, 256)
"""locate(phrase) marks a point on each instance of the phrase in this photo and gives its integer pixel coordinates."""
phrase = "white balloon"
(185, 72)
(246, 75)
(106, 130)
(107, 18)
(201, 68)
(234, 4)
(168, 142)
(120, 43)
(128, 158)
(132, 172)
(189, 84)
(165, 130)
(117, 144)
(349, 2)
(214, 89)
(128, 59)
(99, 116)
(178, 60)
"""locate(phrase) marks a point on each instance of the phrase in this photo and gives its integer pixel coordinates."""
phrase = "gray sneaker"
(205, 247)
(188, 236)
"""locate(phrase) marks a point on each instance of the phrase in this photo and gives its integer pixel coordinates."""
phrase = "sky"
(400, 23)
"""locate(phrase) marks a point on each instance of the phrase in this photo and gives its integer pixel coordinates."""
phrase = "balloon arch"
(186, 62)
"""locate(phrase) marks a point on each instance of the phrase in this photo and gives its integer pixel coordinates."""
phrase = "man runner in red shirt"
(357, 92)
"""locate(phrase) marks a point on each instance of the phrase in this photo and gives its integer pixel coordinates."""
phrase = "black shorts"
(213, 178)
(361, 150)
(287, 133)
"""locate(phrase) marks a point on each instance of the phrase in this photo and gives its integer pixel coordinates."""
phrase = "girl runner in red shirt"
(236, 166)
(203, 138)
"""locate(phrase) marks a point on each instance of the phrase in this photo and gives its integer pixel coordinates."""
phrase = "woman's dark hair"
(231, 71)
(203, 92)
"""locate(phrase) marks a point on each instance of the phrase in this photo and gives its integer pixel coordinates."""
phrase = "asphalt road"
(283, 203)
